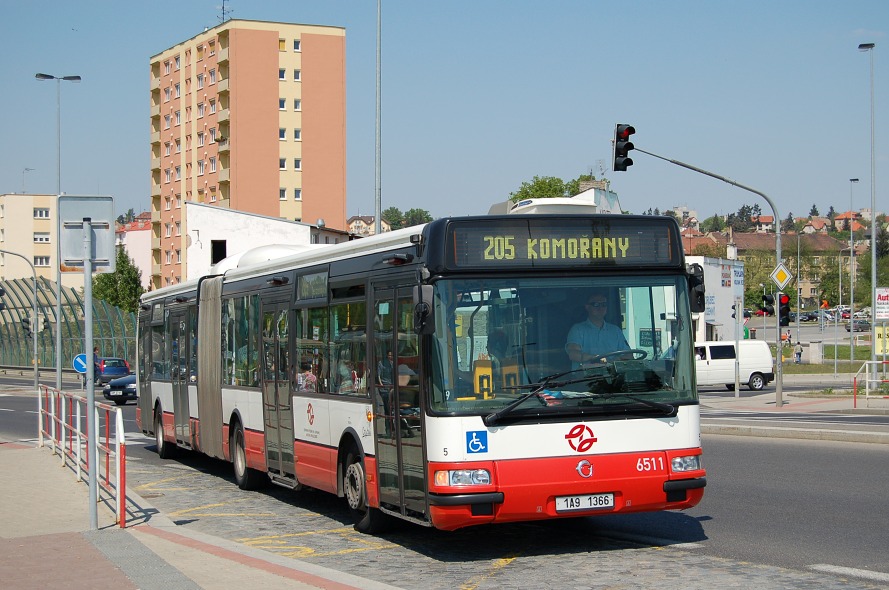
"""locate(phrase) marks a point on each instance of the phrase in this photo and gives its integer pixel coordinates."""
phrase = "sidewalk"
(46, 541)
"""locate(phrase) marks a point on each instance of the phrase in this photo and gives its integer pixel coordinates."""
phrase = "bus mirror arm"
(423, 309)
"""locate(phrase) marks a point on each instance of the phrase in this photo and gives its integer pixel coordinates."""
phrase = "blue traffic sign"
(80, 363)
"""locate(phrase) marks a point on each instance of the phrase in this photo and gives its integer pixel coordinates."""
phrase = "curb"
(797, 433)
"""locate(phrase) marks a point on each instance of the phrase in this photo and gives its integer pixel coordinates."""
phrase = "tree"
(714, 223)
(742, 221)
(813, 212)
(831, 214)
(121, 288)
(789, 224)
(127, 218)
(394, 217)
(416, 217)
(546, 187)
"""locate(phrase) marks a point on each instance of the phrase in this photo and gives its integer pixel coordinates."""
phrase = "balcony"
(155, 243)
(155, 110)
(155, 217)
(222, 55)
(156, 137)
(223, 146)
(155, 163)
(225, 175)
(223, 115)
(222, 86)
(156, 82)
(155, 192)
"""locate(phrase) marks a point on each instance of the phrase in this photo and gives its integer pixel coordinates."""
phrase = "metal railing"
(873, 381)
(61, 419)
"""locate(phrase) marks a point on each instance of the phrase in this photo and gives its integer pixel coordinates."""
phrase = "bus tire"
(367, 520)
(245, 477)
(165, 449)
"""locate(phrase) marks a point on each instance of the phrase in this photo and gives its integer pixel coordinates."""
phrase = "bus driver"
(594, 337)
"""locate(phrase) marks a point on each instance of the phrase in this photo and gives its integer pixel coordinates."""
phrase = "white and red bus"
(423, 373)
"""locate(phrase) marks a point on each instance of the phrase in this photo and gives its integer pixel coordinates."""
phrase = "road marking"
(849, 571)
(196, 511)
(282, 544)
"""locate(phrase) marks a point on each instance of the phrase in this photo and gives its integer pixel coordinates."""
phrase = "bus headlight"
(463, 477)
(687, 463)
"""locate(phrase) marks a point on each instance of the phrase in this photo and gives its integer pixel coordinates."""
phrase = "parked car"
(858, 326)
(759, 312)
(845, 314)
(112, 368)
(715, 363)
(121, 390)
(808, 316)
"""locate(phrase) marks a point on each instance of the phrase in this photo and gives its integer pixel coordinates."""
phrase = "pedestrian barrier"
(62, 417)
(876, 382)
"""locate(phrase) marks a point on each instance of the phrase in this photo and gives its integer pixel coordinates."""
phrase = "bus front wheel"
(367, 520)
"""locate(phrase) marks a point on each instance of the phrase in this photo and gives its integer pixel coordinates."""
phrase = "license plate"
(584, 502)
(113, 393)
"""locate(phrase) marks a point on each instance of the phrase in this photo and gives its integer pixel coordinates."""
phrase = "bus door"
(277, 405)
(179, 355)
(397, 396)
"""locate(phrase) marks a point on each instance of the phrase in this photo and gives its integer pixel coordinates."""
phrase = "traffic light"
(26, 326)
(768, 305)
(620, 160)
(783, 309)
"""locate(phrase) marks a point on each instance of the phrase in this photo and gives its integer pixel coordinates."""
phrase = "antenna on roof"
(226, 12)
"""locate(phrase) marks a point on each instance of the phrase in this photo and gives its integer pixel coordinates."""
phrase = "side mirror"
(423, 318)
(696, 290)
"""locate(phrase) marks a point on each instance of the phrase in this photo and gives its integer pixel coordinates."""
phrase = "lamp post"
(869, 48)
(799, 290)
(58, 79)
(25, 171)
(852, 182)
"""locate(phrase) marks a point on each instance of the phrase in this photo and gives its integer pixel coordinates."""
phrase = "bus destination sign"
(546, 242)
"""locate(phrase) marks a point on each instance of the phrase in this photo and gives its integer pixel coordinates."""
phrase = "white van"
(715, 363)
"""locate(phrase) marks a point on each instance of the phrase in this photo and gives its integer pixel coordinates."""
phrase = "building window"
(178, 228)
(200, 52)
(178, 146)
(212, 105)
(297, 135)
(187, 114)
(200, 110)
(200, 139)
(41, 237)
(178, 201)
(212, 76)
(168, 228)
(200, 167)
(296, 75)
(41, 261)
(177, 118)
(212, 197)
(297, 104)
(282, 134)
(167, 175)
(167, 203)
(282, 163)
(169, 256)
(282, 104)
(167, 148)
(282, 74)
(178, 172)
(282, 195)
(200, 81)
(212, 164)
(167, 94)
(296, 45)
(178, 256)
(177, 62)
(297, 164)
(282, 44)
(166, 121)
(166, 67)
(176, 91)
(212, 134)
(297, 194)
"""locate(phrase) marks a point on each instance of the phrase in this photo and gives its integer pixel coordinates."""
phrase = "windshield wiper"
(537, 388)
(669, 410)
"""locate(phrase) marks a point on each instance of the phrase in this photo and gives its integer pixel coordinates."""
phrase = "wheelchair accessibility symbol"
(477, 441)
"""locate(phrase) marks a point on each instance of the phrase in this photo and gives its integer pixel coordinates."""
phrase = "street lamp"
(852, 182)
(58, 79)
(33, 321)
(25, 171)
(869, 47)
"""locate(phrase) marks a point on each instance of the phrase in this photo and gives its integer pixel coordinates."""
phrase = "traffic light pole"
(779, 373)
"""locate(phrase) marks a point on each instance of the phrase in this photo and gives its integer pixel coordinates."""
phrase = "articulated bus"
(423, 374)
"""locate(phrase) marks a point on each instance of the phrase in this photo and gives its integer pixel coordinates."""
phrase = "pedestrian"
(798, 353)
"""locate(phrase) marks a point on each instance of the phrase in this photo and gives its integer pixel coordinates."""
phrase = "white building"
(724, 284)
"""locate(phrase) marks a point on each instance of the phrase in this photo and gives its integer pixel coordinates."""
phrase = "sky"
(479, 96)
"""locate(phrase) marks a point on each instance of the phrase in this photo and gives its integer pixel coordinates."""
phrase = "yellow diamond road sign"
(781, 276)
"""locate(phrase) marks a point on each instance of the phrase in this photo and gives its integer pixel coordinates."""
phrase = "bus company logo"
(581, 438)
(310, 414)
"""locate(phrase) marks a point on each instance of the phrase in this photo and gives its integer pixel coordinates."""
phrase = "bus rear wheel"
(367, 520)
(245, 477)
(165, 449)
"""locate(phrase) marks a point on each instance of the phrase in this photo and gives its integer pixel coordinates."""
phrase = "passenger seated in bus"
(409, 398)
(593, 339)
(345, 375)
(305, 379)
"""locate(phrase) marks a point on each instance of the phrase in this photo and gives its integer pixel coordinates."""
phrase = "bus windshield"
(622, 344)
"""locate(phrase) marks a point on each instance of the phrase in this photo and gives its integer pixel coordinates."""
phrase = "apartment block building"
(29, 228)
(250, 116)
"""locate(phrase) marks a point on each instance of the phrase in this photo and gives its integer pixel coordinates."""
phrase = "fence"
(876, 382)
(61, 417)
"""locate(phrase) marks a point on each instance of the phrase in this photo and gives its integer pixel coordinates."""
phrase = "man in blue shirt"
(594, 336)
